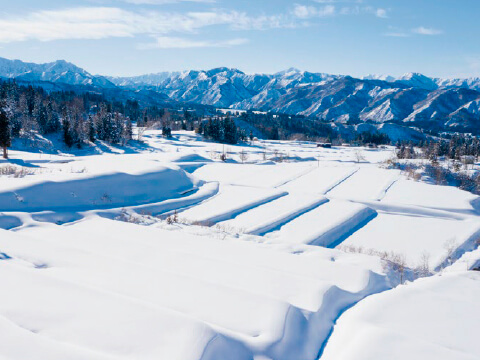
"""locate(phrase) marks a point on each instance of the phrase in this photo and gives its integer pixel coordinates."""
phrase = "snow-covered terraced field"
(267, 217)
(255, 175)
(229, 202)
(326, 225)
(128, 279)
(431, 196)
(368, 183)
(415, 236)
(168, 253)
(320, 180)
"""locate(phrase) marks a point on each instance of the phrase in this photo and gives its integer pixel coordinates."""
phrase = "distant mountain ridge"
(412, 99)
(59, 71)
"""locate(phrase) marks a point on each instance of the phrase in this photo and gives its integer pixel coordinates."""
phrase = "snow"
(432, 318)
(414, 236)
(437, 197)
(175, 287)
(325, 225)
(162, 251)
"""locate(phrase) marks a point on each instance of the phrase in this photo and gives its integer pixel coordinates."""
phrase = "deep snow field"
(163, 251)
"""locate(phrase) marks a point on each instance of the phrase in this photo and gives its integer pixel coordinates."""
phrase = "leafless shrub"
(15, 171)
(423, 268)
(243, 156)
(450, 247)
(173, 219)
(359, 156)
(140, 133)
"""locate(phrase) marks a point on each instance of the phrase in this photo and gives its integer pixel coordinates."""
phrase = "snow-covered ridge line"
(413, 99)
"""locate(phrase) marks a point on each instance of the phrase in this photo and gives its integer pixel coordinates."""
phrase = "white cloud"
(162, 2)
(381, 13)
(427, 31)
(397, 34)
(357, 10)
(106, 22)
(305, 12)
(166, 42)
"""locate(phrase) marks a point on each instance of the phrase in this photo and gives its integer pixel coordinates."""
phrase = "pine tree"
(128, 131)
(5, 137)
(67, 133)
(91, 130)
(42, 119)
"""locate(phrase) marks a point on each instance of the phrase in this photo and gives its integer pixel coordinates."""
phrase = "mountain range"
(412, 100)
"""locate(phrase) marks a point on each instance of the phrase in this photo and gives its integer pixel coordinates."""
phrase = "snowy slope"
(433, 318)
(150, 291)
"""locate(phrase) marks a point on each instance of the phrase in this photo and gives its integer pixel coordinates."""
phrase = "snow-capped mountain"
(413, 99)
(59, 71)
(148, 80)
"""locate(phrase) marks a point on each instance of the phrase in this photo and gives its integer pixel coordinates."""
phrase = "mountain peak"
(291, 70)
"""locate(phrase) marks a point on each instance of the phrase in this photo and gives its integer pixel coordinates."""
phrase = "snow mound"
(99, 191)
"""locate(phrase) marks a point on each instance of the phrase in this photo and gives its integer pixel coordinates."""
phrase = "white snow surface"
(433, 318)
(161, 251)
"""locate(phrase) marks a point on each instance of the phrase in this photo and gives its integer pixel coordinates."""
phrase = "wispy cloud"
(305, 12)
(396, 34)
(166, 42)
(358, 10)
(427, 31)
(330, 9)
(107, 22)
(163, 2)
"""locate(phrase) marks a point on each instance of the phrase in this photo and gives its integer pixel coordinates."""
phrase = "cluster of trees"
(222, 130)
(446, 159)
(80, 118)
(288, 127)
(457, 147)
(372, 138)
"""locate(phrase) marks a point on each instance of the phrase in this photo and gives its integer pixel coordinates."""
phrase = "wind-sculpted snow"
(433, 318)
(150, 291)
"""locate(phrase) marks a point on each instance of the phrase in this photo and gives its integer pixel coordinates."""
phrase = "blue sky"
(354, 37)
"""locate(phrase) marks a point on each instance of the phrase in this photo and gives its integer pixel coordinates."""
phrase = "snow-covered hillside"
(163, 251)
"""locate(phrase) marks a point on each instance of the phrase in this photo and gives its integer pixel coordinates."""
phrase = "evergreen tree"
(5, 137)
(91, 130)
(42, 119)
(230, 131)
(128, 132)
(53, 121)
(67, 133)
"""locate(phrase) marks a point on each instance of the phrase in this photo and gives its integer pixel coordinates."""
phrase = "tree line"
(79, 118)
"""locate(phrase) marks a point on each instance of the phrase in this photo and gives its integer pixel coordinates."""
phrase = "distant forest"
(83, 118)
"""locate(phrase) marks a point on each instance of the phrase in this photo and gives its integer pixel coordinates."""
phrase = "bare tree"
(450, 247)
(423, 268)
(243, 156)
(359, 156)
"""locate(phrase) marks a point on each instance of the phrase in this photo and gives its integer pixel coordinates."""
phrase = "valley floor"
(162, 251)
